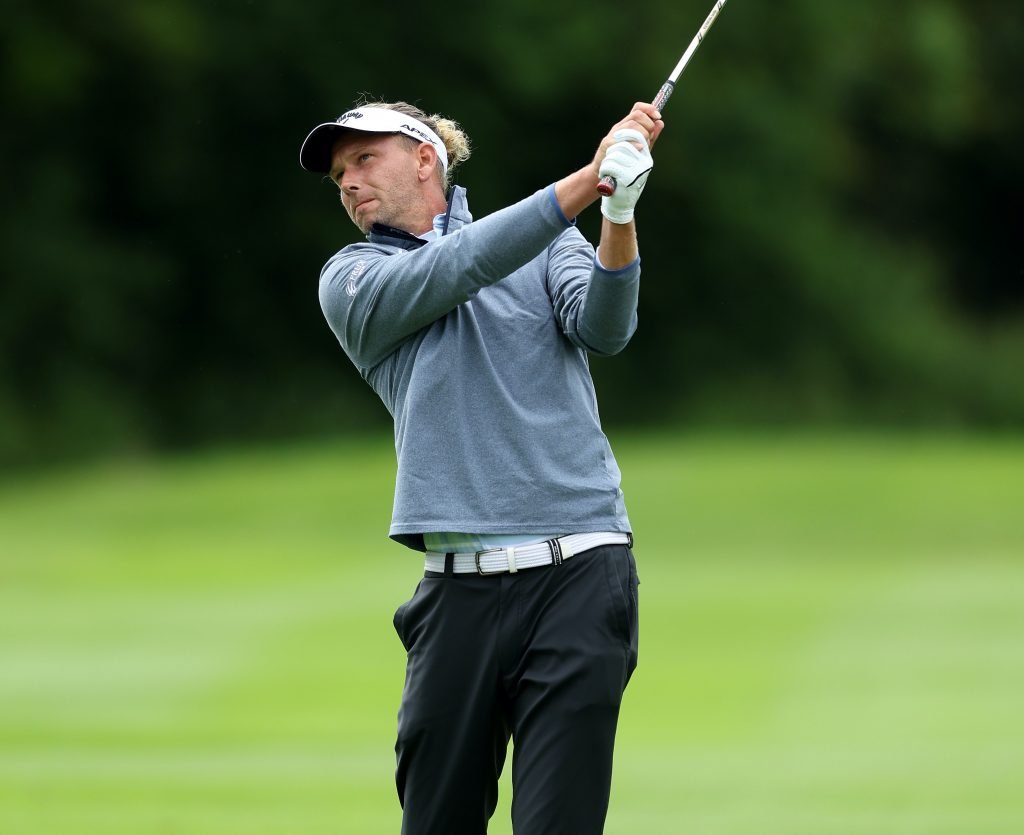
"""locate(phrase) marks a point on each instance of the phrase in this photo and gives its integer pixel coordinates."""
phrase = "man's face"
(376, 174)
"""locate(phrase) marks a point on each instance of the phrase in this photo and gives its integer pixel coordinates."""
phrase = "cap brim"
(315, 153)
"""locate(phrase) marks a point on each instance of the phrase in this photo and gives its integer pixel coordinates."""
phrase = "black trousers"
(542, 656)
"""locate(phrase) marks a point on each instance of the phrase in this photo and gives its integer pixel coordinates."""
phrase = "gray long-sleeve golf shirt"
(477, 344)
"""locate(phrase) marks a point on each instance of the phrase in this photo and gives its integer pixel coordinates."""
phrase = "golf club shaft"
(607, 185)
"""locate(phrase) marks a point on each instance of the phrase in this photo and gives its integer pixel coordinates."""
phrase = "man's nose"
(349, 184)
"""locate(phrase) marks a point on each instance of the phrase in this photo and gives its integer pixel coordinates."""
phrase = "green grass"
(832, 642)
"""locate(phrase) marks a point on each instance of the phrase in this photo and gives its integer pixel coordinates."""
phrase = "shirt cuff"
(554, 202)
(632, 265)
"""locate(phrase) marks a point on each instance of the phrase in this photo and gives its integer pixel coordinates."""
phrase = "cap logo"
(418, 132)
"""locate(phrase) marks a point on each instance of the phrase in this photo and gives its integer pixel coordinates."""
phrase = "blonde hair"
(456, 143)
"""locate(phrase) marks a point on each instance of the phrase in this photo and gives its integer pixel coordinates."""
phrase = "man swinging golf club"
(475, 335)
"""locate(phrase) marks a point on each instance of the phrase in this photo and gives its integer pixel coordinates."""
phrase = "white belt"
(512, 559)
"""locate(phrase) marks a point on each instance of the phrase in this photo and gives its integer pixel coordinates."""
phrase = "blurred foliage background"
(831, 235)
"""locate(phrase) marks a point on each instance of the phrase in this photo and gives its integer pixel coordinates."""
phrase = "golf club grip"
(607, 186)
(663, 96)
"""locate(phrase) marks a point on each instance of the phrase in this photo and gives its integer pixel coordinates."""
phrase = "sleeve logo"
(352, 282)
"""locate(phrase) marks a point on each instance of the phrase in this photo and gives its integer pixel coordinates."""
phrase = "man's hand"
(629, 162)
(643, 118)
(579, 190)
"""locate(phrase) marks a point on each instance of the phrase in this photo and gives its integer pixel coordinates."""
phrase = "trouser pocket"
(624, 587)
(403, 619)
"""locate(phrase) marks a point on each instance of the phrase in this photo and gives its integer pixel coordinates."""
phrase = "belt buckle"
(479, 569)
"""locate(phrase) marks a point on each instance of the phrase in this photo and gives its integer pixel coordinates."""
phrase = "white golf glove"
(629, 166)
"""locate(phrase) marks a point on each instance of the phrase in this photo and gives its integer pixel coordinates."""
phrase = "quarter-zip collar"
(456, 216)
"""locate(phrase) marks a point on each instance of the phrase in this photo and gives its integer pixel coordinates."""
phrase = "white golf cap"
(315, 154)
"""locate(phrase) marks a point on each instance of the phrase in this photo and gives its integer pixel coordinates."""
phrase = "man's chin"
(363, 218)
(363, 223)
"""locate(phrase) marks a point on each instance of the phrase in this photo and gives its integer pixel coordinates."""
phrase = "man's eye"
(364, 157)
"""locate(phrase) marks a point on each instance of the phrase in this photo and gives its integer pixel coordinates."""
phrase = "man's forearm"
(618, 247)
(577, 191)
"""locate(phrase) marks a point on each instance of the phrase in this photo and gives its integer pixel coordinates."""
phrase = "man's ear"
(426, 161)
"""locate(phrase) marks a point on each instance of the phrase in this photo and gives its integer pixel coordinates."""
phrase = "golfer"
(476, 334)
